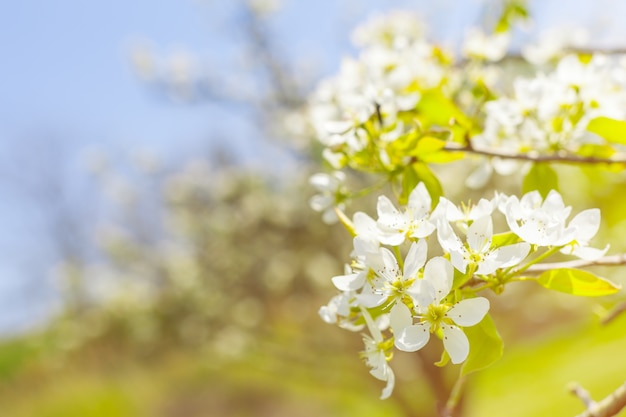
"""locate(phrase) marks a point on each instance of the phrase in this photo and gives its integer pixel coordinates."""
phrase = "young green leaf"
(429, 150)
(485, 346)
(503, 239)
(541, 177)
(425, 175)
(409, 182)
(610, 129)
(577, 282)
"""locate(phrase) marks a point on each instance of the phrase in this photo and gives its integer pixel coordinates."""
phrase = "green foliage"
(612, 130)
(436, 110)
(430, 150)
(486, 346)
(577, 282)
(512, 11)
(541, 177)
(502, 239)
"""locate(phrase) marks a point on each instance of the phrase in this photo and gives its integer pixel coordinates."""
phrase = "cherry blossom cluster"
(395, 65)
(401, 295)
(550, 112)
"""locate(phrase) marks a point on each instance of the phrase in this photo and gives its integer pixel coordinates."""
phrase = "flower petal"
(386, 208)
(479, 234)
(439, 273)
(415, 259)
(391, 380)
(420, 201)
(455, 342)
(400, 317)
(413, 337)
(587, 223)
(350, 282)
(469, 312)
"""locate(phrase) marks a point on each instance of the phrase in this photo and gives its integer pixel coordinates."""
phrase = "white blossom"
(414, 222)
(478, 252)
(436, 315)
(331, 194)
(376, 357)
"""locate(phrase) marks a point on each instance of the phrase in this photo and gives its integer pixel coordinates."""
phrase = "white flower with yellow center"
(440, 317)
(414, 222)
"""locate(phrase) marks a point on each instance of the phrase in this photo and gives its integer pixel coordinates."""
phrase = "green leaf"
(485, 346)
(541, 177)
(425, 175)
(435, 109)
(459, 279)
(504, 239)
(445, 358)
(610, 129)
(596, 151)
(429, 150)
(577, 282)
(409, 182)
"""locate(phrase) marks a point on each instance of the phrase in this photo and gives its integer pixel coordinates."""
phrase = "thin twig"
(583, 394)
(613, 260)
(613, 314)
(609, 406)
(561, 157)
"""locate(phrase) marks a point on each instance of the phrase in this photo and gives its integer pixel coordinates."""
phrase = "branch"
(600, 51)
(613, 260)
(562, 156)
(613, 314)
(608, 407)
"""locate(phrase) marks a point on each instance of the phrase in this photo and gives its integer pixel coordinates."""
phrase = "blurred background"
(158, 256)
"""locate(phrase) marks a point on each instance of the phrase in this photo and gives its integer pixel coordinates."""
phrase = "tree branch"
(561, 157)
(613, 260)
(609, 406)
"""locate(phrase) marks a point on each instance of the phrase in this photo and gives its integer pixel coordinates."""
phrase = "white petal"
(322, 182)
(512, 254)
(479, 234)
(484, 208)
(587, 223)
(391, 380)
(350, 282)
(553, 202)
(329, 216)
(413, 338)
(422, 229)
(415, 259)
(365, 226)
(400, 317)
(370, 300)
(419, 200)
(469, 312)
(589, 254)
(448, 240)
(385, 207)
(363, 246)
(391, 239)
(455, 342)
(446, 211)
(392, 269)
(439, 273)
(458, 260)
(321, 202)
(423, 295)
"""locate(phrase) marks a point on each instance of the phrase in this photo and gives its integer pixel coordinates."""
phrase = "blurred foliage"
(202, 301)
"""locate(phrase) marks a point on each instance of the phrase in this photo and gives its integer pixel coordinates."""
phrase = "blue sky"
(66, 77)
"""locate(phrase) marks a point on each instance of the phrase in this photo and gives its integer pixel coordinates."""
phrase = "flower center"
(435, 315)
